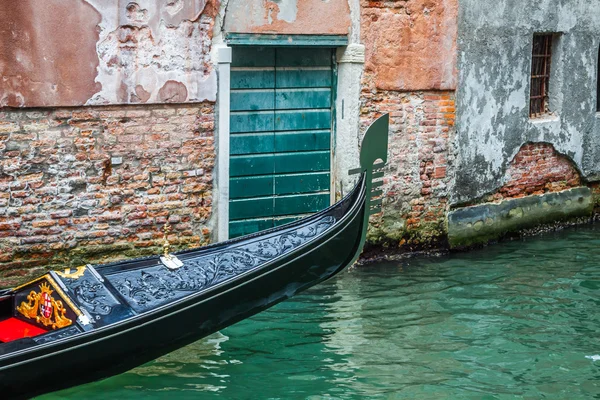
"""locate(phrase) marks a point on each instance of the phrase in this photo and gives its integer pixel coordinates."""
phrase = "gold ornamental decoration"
(44, 308)
(166, 245)
(78, 273)
(168, 259)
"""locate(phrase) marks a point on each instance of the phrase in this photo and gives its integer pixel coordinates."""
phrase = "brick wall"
(536, 169)
(419, 158)
(62, 199)
(410, 72)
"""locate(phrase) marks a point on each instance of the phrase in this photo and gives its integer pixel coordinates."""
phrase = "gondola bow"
(75, 326)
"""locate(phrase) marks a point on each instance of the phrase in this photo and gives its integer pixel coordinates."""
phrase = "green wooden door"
(281, 118)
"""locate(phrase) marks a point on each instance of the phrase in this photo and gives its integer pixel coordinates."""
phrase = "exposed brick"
(536, 169)
(420, 154)
(10, 226)
(440, 172)
(43, 223)
(73, 197)
(137, 215)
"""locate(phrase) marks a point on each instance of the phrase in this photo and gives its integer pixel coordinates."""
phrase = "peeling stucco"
(494, 65)
(313, 17)
(76, 52)
(47, 52)
(148, 49)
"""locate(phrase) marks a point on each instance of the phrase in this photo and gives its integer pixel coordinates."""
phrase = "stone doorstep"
(482, 223)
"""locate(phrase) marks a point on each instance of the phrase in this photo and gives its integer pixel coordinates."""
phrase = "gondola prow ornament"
(169, 260)
(103, 320)
(373, 156)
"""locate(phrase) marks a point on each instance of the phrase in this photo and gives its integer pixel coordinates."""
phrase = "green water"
(512, 321)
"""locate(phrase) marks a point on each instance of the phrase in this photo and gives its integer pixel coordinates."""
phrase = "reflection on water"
(517, 320)
(197, 361)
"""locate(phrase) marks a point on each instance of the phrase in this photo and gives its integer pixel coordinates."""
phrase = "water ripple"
(517, 320)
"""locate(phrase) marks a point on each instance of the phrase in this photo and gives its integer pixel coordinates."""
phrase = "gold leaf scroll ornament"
(44, 308)
(78, 273)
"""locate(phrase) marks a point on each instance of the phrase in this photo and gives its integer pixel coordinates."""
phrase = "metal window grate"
(540, 74)
(598, 83)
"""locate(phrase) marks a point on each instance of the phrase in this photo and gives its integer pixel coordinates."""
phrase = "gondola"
(74, 326)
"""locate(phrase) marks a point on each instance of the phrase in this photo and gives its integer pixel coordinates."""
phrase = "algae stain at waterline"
(482, 223)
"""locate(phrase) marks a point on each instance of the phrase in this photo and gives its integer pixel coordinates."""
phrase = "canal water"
(519, 320)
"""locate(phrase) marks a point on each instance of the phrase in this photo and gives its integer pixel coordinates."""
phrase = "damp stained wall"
(93, 52)
(410, 44)
(47, 52)
(311, 17)
(494, 63)
(410, 73)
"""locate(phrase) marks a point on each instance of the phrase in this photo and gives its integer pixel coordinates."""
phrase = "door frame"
(223, 107)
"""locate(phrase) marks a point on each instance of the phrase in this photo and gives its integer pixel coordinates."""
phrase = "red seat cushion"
(13, 329)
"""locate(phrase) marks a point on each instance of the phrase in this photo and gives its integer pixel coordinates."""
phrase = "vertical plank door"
(281, 119)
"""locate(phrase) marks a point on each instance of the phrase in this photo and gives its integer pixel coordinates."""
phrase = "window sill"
(543, 119)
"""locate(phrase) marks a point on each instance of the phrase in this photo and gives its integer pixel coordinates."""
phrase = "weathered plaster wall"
(541, 187)
(91, 184)
(410, 44)
(494, 65)
(410, 73)
(47, 52)
(155, 51)
(312, 17)
(75, 52)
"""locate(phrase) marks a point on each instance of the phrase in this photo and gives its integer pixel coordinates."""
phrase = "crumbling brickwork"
(537, 169)
(410, 73)
(81, 185)
(416, 180)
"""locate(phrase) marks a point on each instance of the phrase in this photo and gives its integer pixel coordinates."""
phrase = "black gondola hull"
(118, 348)
(99, 321)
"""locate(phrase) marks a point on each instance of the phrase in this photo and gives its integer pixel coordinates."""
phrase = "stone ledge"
(353, 53)
(479, 224)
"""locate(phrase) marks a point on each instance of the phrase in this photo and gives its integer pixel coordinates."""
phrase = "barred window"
(540, 74)
(598, 83)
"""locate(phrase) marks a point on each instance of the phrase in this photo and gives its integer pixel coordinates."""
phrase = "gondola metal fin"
(375, 210)
(376, 203)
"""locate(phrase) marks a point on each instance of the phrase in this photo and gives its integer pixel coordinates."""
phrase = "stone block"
(480, 224)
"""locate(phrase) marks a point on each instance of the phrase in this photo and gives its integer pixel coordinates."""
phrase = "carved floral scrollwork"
(154, 286)
(55, 335)
(91, 297)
